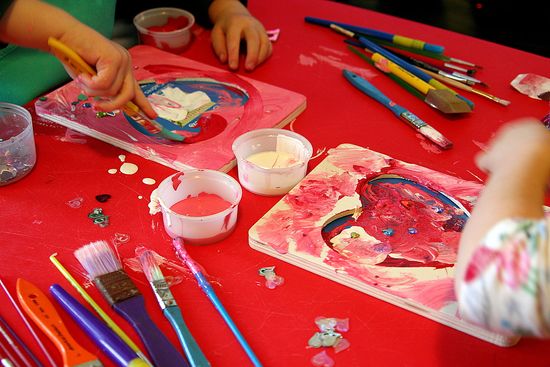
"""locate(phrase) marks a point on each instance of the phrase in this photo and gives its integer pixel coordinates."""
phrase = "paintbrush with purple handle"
(99, 260)
(105, 338)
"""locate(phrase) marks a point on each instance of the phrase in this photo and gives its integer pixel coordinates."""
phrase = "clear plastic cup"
(175, 41)
(268, 177)
(194, 229)
(17, 150)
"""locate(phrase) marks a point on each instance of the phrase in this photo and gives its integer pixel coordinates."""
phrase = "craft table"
(36, 220)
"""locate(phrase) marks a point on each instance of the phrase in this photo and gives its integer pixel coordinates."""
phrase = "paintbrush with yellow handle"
(74, 62)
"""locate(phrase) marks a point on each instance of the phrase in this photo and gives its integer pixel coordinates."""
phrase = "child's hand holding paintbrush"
(29, 23)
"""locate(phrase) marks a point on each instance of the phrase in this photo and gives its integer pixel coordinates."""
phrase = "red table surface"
(35, 220)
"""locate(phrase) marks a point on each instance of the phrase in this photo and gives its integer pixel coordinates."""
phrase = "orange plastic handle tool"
(42, 312)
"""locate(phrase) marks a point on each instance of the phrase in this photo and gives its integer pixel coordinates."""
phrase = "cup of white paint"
(271, 161)
(200, 206)
(17, 150)
(166, 28)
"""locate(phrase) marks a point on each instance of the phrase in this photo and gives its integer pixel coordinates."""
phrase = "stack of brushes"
(441, 72)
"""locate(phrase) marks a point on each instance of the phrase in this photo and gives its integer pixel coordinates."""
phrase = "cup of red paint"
(200, 206)
(168, 29)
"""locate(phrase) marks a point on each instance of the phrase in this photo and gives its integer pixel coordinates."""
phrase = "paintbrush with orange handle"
(42, 312)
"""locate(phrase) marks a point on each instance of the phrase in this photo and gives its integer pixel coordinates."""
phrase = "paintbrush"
(28, 325)
(5, 357)
(106, 339)
(392, 38)
(8, 333)
(405, 65)
(106, 318)
(170, 309)
(77, 65)
(441, 99)
(426, 130)
(431, 55)
(468, 88)
(99, 260)
(43, 313)
(209, 291)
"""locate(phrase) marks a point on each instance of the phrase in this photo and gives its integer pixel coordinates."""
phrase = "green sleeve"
(27, 73)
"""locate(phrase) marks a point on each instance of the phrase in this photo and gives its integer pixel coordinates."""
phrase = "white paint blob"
(112, 171)
(122, 157)
(128, 168)
(148, 181)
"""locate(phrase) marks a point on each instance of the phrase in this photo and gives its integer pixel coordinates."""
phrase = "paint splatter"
(149, 181)
(112, 171)
(122, 157)
(128, 168)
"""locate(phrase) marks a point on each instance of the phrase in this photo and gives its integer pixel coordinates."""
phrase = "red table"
(35, 220)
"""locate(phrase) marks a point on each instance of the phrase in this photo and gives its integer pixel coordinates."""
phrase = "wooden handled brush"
(42, 312)
(99, 260)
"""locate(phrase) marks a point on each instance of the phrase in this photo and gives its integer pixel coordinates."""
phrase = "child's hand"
(114, 78)
(517, 144)
(233, 23)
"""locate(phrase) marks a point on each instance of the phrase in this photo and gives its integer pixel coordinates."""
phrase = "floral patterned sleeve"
(506, 287)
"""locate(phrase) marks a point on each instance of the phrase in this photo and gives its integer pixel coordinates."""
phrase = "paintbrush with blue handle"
(403, 114)
(170, 308)
(182, 254)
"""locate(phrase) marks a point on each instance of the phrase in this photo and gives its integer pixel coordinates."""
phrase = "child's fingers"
(218, 44)
(252, 48)
(143, 103)
(125, 94)
(233, 40)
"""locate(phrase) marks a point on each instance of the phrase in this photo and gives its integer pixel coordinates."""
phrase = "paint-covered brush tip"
(446, 102)
(97, 258)
(149, 265)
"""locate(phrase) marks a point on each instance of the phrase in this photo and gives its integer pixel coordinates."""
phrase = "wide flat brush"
(170, 308)
(43, 313)
(99, 260)
(426, 130)
(468, 88)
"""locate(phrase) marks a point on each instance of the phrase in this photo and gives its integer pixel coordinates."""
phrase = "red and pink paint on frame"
(382, 226)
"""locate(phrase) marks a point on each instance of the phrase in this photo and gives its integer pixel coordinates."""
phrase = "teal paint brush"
(100, 262)
(169, 307)
(403, 114)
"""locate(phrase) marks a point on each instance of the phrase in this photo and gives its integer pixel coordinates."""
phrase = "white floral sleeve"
(506, 287)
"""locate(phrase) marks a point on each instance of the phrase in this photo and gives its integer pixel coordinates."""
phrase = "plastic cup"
(175, 41)
(194, 229)
(262, 179)
(17, 150)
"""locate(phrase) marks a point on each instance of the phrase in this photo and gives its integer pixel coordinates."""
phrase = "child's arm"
(518, 161)
(29, 23)
(233, 23)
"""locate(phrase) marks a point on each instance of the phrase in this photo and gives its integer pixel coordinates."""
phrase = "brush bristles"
(150, 267)
(97, 258)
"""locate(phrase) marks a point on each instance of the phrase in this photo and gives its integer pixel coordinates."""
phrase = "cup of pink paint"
(200, 206)
(271, 161)
(166, 28)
